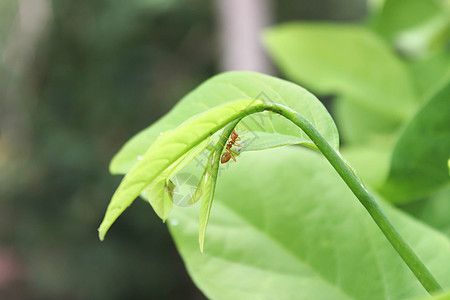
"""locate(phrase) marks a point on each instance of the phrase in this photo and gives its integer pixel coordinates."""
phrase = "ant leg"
(238, 138)
(232, 154)
(237, 145)
(246, 130)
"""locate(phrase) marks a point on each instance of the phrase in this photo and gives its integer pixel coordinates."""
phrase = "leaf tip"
(103, 229)
(201, 242)
(101, 234)
(114, 167)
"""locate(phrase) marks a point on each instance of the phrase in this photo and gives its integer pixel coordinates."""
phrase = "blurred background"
(77, 79)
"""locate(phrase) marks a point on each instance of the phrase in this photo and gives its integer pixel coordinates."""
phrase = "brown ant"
(232, 141)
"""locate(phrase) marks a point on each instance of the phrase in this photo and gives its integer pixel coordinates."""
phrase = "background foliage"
(102, 71)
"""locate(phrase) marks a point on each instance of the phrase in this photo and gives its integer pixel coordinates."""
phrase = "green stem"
(354, 183)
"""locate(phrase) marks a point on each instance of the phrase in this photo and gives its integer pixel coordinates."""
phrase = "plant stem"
(354, 183)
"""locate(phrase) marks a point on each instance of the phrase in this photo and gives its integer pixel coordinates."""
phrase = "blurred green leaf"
(434, 211)
(371, 163)
(312, 240)
(411, 25)
(232, 86)
(428, 72)
(398, 15)
(419, 160)
(348, 61)
(359, 125)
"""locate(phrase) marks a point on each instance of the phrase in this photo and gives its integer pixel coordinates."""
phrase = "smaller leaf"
(160, 193)
(199, 190)
(166, 150)
(208, 195)
(208, 183)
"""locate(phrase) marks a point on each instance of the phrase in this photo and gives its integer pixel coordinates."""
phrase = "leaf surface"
(285, 226)
(419, 161)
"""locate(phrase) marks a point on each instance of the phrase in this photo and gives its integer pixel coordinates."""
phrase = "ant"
(232, 141)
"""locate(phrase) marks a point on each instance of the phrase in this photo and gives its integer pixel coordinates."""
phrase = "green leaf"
(419, 161)
(200, 188)
(411, 24)
(174, 144)
(285, 226)
(160, 196)
(429, 71)
(398, 15)
(208, 196)
(229, 87)
(207, 184)
(349, 61)
(433, 211)
(359, 125)
(166, 150)
(160, 193)
(372, 163)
